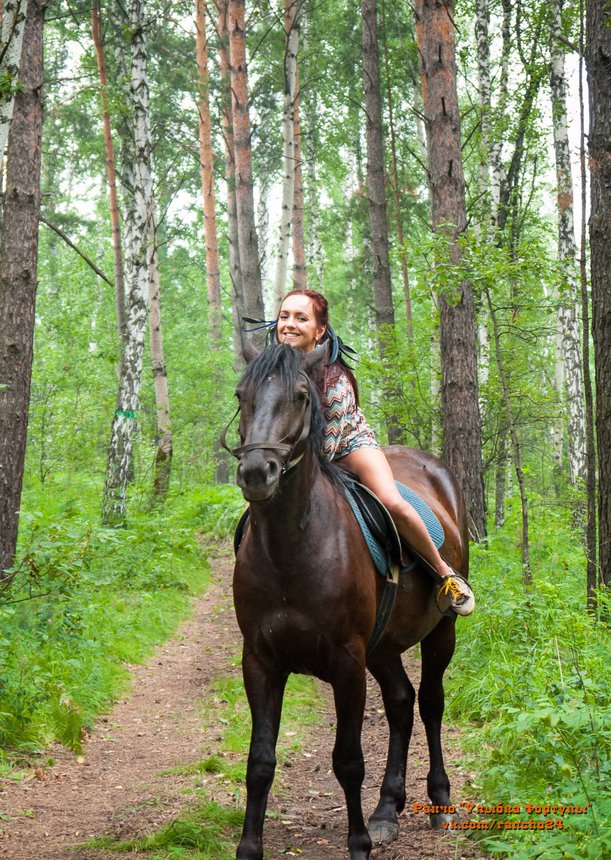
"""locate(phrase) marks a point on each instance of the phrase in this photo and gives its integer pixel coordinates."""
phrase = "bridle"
(288, 451)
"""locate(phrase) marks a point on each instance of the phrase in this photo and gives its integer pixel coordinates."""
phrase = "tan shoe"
(455, 593)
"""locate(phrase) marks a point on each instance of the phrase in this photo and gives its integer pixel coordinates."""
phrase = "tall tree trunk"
(247, 234)
(164, 450)
(18, 276)
(235, 274)
(314, 254)
(395, 187)
(138, 249)
(591, 502)
(300, 279)
(206, 158)
(376, 193)
(111, 174)
(12, 28)
(291, 44)
(568, 322)
(598, 47)
(459, 387)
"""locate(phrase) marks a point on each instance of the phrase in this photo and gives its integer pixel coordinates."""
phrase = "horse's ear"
(313, 358)
(250, 351)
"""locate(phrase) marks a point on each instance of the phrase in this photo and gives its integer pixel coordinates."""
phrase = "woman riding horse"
(303, 323)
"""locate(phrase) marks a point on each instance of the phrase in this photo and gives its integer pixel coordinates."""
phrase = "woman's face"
(297, 324)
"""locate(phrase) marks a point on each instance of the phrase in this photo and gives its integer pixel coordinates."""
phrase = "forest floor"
(122, 785)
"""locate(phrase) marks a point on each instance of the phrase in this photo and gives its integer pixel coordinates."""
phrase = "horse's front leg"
(349, 690)
(265, 690)
(437, 650)
(399, 697)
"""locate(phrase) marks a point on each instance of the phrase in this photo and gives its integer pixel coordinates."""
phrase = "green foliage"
(83, 601)
(531, 678)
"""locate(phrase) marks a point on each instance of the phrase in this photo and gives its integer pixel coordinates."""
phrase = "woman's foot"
(455, 593)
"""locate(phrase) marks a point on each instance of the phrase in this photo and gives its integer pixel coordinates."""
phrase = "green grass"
(84, 602)
(530, 684)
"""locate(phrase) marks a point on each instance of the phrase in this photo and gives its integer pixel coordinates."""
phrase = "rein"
(284, 448)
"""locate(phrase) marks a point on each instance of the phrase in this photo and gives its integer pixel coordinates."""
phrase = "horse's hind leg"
(437, 650)
(399, 696)
(265, 691)
(349, 690)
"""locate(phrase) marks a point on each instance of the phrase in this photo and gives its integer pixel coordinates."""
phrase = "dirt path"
(119, 785)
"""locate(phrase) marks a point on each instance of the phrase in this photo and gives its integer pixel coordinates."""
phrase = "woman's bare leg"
(373, 470)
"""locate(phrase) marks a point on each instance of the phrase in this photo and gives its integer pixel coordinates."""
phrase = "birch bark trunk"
(164, 449)
(18, 277)
(571, 375)
(206, 158)
(459, 386)
(12, 28)
(138, 250)
(291, 36)
(247, 234)
(300, 277)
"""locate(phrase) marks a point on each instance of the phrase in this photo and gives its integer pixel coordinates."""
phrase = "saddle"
(391, 556)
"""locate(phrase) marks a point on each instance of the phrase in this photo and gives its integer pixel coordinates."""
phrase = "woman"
(303, 323)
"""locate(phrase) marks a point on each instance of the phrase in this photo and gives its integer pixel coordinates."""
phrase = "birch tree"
(12, 27)
(570, 376)
(291, 36)
(18, 277)
(138, 249)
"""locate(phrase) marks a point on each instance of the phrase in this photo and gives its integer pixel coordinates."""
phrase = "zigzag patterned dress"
(346, 426)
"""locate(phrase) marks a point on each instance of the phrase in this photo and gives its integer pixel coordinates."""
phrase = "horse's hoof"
(382, 832)
(442, 820)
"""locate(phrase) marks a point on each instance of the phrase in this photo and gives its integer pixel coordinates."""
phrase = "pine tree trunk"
(111, 174)
(395, 188)
(568, 321)
(235, 274)
(247, 234)
(18, 276)
(300, 279)
(206, 158)
(164, 449)
(598, 42)
(459, 386)
(138, 250)
(12, 20)
(291, 36)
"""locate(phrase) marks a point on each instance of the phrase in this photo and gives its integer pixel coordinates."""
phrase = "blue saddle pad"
(378, 553)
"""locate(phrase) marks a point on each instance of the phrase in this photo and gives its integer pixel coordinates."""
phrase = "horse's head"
(277, 401)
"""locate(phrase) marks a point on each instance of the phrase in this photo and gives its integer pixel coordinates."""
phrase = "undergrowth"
(530, 683)
(84, 601)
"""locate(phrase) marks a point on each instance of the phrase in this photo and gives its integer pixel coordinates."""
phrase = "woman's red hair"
(332, 372)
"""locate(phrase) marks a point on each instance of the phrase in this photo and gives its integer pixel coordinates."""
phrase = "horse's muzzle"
(258, 475)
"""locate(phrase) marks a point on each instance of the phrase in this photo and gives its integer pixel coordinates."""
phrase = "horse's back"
(431, 479)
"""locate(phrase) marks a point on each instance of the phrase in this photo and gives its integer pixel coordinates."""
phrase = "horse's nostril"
(271, 471)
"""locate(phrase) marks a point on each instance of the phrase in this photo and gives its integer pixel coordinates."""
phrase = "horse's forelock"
(285, 362)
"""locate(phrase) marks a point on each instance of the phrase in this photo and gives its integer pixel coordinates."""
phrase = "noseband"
(285, 449)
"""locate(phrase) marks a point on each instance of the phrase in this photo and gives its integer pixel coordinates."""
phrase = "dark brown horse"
(306, 594)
